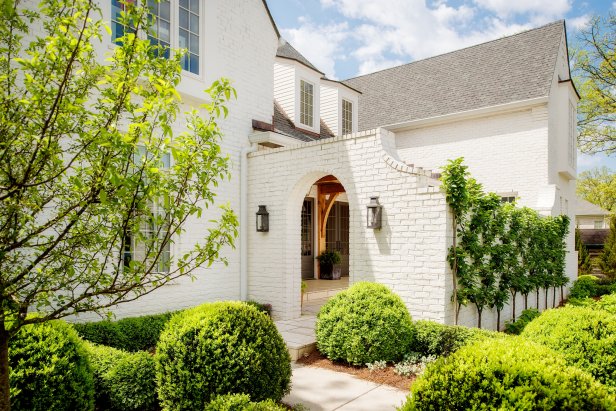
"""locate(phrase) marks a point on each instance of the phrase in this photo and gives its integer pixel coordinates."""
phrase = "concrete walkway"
(318, 389)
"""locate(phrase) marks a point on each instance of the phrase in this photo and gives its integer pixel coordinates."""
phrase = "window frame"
(174, 34)
(343, 119)
(301, 103)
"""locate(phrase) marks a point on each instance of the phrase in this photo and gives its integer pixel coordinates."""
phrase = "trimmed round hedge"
(363, 324)
(123, 381)
(241, 402)
(585, 336)
(220, 348)
(506, 374)
(50, 370)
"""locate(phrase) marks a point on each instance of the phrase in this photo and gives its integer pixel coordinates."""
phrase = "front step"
(298, 352)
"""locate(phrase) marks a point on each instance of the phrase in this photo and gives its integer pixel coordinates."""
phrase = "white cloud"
(548, 9)
(321, 45)
(579, 23)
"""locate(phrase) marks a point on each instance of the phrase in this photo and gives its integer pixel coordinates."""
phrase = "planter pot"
(336, 273)
(326, 271)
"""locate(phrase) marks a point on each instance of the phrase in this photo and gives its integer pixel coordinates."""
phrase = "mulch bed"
(385, 376)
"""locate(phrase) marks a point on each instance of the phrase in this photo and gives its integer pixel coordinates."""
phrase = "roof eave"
(301, 63)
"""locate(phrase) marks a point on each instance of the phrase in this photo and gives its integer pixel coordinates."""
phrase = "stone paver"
(319, 389)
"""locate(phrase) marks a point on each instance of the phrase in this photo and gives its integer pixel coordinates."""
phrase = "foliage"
(607, 303)
(220, 348)
(594, 63)
(129, 334)
(598, 186)
(377, 365)
(506, 374)
(517, 326)
(436, 339)
(585, 336)
(241, 402)
(584, 262)
(590, 286)
(264, 308)
(50, 369)
(499, 250)
(329, 257)
(123, 380)
(413, 364)
(363, 324)
(607, 259)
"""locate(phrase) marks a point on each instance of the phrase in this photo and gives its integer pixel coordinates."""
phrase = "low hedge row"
(241, 402)
(129, 334)
(517, 326)
(432, 338)
(506, 374)
(590, 286)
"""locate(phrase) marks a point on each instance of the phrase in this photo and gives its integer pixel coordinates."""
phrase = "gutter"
(244, 220)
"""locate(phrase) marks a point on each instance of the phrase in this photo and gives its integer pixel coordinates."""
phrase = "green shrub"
(364, 324)
(220, 348)
(590, 286)
(432, 338)
(241, 402)
(607, 303)
(517, 326)
(129, 334)
(585, 336)
(123, 380)
(506, 374)
(266, 308)
(50, 369)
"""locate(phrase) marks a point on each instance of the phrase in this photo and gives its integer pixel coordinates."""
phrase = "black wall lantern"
(374, 213)
(262, 219)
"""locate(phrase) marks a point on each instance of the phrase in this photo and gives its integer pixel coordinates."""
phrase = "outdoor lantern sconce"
(374, 213)
(262, 220)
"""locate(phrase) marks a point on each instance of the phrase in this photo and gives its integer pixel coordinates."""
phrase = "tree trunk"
(526, 301)
(554, 298)
(546, 297)
(537, 298)
(5, 397)
(562, 294)
(513, 295)
(498, 320)
(479, 318)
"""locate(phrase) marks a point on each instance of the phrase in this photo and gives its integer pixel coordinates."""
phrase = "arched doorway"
(324, 227)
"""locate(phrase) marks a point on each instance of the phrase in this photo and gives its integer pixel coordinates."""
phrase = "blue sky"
(346, 38)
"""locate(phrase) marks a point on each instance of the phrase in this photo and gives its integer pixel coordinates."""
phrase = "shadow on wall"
(383, 235)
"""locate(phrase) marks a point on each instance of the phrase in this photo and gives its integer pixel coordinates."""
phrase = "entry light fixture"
(262, 219)
(374, 213)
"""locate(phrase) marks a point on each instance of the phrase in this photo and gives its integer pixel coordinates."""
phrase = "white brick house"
(299, 141)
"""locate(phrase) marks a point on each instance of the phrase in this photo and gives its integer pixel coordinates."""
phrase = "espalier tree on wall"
(84, 146)
(500, 251)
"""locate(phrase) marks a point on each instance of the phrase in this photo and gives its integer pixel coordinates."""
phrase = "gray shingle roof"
(288, 51)
(583, 207)
(513, 68)
(284, 125)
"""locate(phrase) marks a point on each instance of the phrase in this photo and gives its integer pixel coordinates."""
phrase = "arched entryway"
(325, 224)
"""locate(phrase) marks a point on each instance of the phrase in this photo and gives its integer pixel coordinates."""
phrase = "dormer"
(339, 107)
(297, 88)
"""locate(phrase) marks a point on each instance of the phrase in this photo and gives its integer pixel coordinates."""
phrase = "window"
(164, 26)
(598, 224)
(347, 117)
(509, 197)
(572, 125)
(306, 103)
(152, 228)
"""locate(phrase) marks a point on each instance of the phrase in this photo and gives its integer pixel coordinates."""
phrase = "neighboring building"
(593, 223)
(314, 151)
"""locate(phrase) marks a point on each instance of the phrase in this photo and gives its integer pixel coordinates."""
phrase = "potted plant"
(327, 260)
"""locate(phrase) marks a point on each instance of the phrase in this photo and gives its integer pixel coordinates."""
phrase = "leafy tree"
(84, 149)
(584, 263)
(598, 186)
(607, 259)
(595, 68)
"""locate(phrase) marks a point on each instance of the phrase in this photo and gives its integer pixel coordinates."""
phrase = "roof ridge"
(561, 21)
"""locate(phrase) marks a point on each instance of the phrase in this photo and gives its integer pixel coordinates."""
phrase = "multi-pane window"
(598, 224)
(189, 34)
(168, 30)
(572, 125)
(160, 31)
(306, 103)
(347, 117)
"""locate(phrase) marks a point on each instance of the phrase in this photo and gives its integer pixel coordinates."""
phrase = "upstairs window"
(598, 224)
(306, 103)
(165, 22)
(347, 117)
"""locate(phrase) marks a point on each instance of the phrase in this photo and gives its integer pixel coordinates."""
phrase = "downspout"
(244, 220)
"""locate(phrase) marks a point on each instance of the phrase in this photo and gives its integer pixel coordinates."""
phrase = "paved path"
(319, 389)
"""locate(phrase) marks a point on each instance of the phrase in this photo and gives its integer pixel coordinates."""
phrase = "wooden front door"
(337, 233)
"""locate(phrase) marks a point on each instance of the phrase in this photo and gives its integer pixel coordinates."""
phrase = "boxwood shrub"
(506, 374)
(432, 338)
(220, 348)
(607, 303)
(123, 380)
(590, 286)
(241, 402)
(364, 324)
(50, 369)
(585, 336)
(129, 334)
(517, 326)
